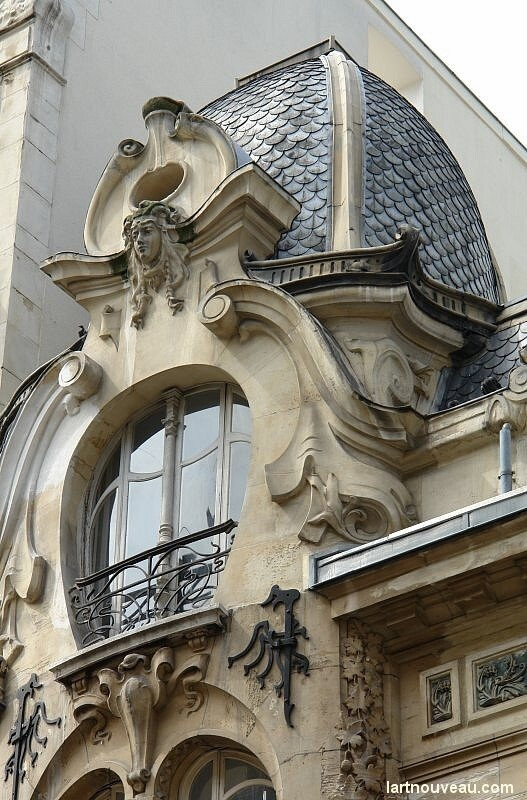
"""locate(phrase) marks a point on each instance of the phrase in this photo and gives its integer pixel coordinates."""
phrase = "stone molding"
(440, 698)
(51, 22)
(444, 763)
(194, 628)
(185, 159)
(81, 376)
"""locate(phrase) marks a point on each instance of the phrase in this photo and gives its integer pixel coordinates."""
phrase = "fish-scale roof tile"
(288, 118)
(441, 197)
(282, 120)
(500, 357)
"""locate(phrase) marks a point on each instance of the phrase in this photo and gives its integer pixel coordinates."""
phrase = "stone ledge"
(173, 631)
(441, 763)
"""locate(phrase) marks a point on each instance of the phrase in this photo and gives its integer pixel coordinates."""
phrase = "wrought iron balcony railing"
(157, 583)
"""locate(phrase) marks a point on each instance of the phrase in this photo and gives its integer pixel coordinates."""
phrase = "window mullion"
(171, 423)
(122, 509)
(222, 475)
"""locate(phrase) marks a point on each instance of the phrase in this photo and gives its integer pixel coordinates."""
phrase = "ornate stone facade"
(233, 420)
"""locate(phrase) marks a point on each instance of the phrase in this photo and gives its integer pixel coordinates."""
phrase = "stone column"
(166, 527)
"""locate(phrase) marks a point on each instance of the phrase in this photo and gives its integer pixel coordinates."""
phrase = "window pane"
(201, 422)
(237, 771)
(241, 415)
(240, 456)
(254, 793)
(109, 473)
(198, 495)
(147, 446)
(103, 531)
(201, 788)
(144, 507)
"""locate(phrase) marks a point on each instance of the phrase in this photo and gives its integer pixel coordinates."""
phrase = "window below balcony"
(180, 468)
(160, 510)
(224, 775)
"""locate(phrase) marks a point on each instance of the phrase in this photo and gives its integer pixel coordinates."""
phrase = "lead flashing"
(330, 567)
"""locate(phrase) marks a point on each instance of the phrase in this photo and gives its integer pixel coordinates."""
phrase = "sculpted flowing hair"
(169, 269)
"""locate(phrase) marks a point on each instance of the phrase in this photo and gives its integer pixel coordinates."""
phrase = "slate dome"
(284, 121)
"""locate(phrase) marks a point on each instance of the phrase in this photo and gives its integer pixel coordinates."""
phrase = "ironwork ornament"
(25, 733)
(280, 647)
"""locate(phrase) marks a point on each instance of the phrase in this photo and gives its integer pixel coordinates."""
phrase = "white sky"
(484, 43)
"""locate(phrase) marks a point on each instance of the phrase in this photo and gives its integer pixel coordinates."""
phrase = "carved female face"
(146, 238)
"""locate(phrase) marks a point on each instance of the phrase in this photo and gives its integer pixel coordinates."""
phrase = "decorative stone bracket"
(135, 693)
(388, 375)
(355, 519)
(81, 376)
(509, 405)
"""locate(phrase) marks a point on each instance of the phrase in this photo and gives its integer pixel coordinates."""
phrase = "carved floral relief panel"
(499, 678)
(440, 698)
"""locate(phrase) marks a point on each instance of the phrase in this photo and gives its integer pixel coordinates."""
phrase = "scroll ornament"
(354, 518)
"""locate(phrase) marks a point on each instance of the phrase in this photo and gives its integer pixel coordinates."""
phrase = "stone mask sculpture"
(156, 258)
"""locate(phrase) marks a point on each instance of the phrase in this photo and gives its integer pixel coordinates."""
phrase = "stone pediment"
(183, 161)
(194, 194)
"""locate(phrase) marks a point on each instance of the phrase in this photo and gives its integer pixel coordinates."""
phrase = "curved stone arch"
(170, 768)
(105, 423)
(96, 784)
(23, 567)
(323, 371)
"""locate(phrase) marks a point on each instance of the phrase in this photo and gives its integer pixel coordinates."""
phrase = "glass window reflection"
(241, 415)
(198, 495)
(147, 445)
(201, 422)
(206, 474)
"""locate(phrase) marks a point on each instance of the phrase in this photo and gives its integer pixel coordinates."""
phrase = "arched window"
(158, 511)
(226, 775)
(178, 468)
(100, 784)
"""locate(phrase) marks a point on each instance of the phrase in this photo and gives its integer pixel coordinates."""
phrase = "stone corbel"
(135, 693)
(354, 517)
(218, 314)
(358, 501)
(81, 376)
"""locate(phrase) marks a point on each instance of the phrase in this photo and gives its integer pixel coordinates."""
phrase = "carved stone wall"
(13, 11)
(363, 732)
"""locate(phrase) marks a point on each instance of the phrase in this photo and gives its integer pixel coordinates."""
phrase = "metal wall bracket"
(278, 646)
